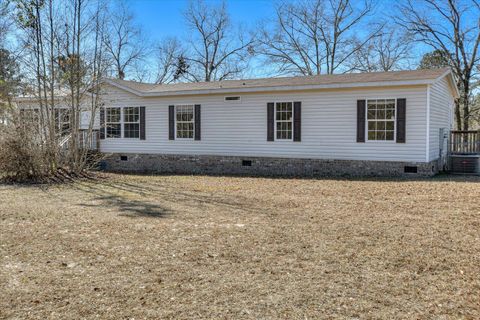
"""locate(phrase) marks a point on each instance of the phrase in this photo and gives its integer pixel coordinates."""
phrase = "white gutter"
(427, 140)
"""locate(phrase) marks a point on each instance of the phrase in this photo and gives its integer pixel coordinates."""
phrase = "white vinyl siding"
(441, 115)
(329, 120)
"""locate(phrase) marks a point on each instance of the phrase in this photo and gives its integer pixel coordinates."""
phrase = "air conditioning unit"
(465, 164)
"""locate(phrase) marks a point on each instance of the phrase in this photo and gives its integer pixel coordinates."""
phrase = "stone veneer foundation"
(263, 166)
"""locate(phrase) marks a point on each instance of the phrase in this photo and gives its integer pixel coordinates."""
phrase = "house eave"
(272, 88)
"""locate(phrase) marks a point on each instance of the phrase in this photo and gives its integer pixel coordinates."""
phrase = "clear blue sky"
(163, 18)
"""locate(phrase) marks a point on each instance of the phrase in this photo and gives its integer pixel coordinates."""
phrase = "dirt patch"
(182, 247)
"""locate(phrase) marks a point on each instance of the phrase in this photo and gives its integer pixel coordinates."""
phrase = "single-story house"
(385, 123)
(361, 124)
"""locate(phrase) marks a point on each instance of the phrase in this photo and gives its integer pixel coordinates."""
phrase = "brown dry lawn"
(182, 247)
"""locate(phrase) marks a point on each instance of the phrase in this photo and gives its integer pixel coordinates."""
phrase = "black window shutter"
(401, 120)
(270, 121)
(142, 123)
(198, 122)
(102, 123)
(360, 120)
(297, 121)
(171, 122)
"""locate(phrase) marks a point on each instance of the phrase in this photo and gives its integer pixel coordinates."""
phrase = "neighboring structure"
(62, 115)
(391, 123)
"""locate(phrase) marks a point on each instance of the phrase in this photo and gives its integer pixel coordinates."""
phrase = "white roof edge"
(273, 88)
(451, 77)
(34, 98)
(115, 84)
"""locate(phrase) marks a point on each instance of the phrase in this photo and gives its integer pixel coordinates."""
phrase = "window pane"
(114, 131)
(131, 114)
(380, 114)
(390, 114)
(113, 114)
(288, 115)
(185, 121)
(380, 104)
(284, 120)
(381, 110)
(131, 130)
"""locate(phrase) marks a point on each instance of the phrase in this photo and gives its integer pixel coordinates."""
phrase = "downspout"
(427, 140)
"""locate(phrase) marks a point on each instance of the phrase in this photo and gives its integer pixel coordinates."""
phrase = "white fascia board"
(273, 89)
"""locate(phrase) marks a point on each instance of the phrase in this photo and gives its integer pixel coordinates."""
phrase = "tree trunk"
(458, 117)
(466, 104)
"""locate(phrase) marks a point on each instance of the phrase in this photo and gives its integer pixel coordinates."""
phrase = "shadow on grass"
(110, 196)
(142, 199)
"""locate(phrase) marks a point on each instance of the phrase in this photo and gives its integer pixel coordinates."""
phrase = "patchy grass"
(184, 247)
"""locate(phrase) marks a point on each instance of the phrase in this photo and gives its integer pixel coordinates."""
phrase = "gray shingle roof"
(340, 79)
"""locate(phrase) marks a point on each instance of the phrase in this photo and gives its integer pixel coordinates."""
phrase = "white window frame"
(275, 120)
(107, 122)
(122, 122)
(193, 121)
(394, 121)
(125, 122)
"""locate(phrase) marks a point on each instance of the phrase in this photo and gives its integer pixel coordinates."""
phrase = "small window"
(185, 121)
(131, 122)
(381, 119)
(113, 122)
(123, 158)
(283, 120)
(235, 98)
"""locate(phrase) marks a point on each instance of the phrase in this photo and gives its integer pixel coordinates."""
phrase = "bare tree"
(451, 26)
(65, 64)
(315, 37)
(124, 41)
(168, 54)
(218, 52)
(390, 50)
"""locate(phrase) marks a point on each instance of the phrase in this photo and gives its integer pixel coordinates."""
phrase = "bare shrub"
(23, 156)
